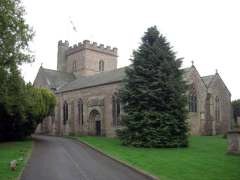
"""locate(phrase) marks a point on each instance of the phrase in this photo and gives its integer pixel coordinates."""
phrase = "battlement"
(65, 43)
(86, 44)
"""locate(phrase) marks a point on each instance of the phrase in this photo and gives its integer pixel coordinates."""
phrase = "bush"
(22, 108)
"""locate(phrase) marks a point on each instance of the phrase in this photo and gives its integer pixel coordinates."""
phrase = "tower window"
(101, 65)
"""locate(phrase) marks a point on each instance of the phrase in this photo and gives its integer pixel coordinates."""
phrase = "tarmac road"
(56, 158)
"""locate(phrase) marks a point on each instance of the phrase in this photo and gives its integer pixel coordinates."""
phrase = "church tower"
(86, 58)
(61, 56)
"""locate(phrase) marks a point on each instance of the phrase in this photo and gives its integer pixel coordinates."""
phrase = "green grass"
(13, 151)
(205, 159)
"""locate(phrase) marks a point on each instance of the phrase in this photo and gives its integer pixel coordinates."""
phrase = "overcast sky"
(205, 31)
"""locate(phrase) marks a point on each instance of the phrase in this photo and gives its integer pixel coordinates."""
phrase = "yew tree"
(153, 96)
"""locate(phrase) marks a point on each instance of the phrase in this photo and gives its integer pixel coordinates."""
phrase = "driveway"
(56, 158)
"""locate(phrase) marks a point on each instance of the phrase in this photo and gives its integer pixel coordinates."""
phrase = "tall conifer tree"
(153, 96)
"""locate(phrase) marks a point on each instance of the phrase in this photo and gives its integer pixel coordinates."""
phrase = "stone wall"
(61, 55)
(87, 56)
(197, 119)
(238, 121)
(83, 58)
(97, 94)
(218, 89)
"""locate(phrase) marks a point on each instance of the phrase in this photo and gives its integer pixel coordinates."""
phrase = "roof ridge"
(101, 78)
(208, 75)
(104, 72)
(53, 70)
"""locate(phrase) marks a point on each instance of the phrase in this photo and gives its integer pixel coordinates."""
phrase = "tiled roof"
(106, 77)
(62, 81)
(56, 79)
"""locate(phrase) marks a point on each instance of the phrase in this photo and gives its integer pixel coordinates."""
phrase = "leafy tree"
(236, 109)
(40, 104)
(153, 96)
(22, 106)
(25, 109)
(15, 34)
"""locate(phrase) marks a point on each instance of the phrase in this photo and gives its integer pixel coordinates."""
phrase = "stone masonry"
(87, 73)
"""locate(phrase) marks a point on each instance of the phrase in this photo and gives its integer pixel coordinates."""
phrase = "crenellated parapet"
(86, 44)
(63, 43)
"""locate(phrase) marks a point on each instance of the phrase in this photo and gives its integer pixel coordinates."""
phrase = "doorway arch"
(95, 123)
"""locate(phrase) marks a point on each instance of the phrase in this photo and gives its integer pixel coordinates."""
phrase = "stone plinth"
(234, 142)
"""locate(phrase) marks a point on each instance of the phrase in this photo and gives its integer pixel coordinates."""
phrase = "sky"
(204, 31)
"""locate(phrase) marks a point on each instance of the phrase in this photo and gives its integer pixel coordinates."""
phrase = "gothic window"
(192, 100)
(80, 111)
(217, 108)
(116, 110)
(65, 112)
(101, 65)
(74, 66)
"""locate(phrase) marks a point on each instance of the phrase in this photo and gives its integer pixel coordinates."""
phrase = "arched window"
(74, 66)
(192, 103)
(65, 112)
(80, 111)
(116, 110)
(101, 65)
(217, 108)
(192, 100)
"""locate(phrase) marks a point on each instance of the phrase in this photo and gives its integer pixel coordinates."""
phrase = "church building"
(86, 84)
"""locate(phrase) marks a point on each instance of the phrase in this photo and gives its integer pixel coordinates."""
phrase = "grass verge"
(205, 159)
(9, 151)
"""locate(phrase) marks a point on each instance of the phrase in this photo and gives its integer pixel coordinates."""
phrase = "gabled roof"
(208, 79)
(102, 78)
(106, 77)
(62, 82)
(186, 73)
(55, 79)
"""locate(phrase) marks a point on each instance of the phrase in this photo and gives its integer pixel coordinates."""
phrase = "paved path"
(56, 158)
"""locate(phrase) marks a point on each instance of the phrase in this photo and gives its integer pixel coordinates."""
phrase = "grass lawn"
(13, 151)
(205, 159)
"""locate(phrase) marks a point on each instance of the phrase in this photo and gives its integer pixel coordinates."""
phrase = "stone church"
(86, 84)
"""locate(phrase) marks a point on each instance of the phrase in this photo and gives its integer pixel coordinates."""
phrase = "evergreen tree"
(153, 96)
